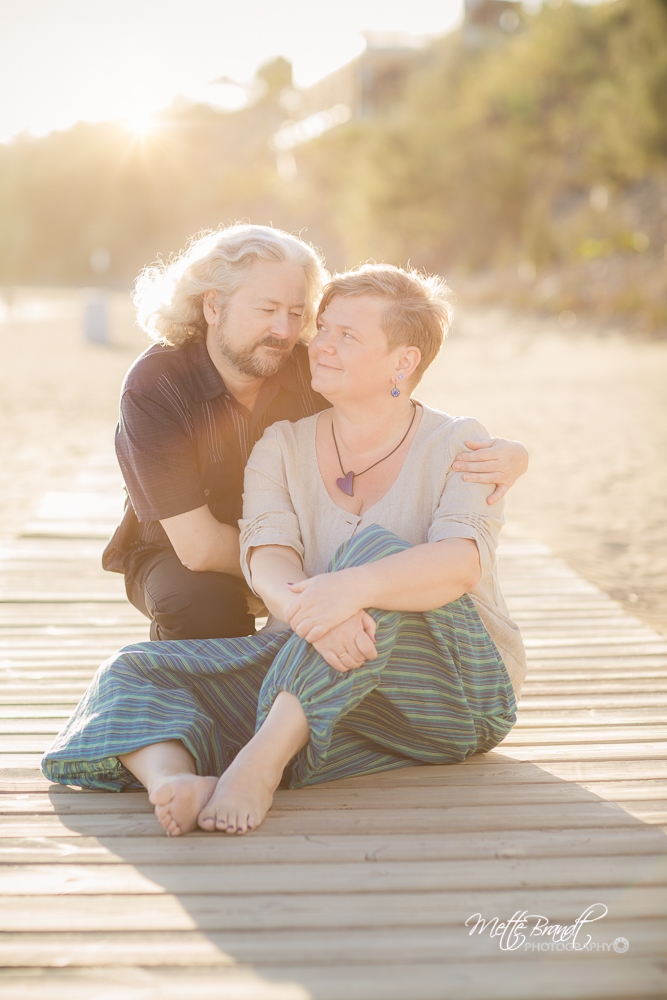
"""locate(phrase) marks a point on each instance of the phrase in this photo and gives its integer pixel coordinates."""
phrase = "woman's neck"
(365, 429)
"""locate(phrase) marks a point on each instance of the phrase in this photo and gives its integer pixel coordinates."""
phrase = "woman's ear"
(408, 361)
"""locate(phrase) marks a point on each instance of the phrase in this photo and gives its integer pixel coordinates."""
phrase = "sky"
(62, 61)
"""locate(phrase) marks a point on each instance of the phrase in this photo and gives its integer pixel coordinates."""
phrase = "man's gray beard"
(247, 362)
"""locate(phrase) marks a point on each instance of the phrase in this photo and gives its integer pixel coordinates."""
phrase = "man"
(228, 317)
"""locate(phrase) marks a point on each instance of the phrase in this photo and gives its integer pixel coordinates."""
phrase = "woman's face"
(349, 355)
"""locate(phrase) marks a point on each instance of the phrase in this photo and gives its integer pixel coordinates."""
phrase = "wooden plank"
(188, 911)
(404, 797)
(562, 703)
(610, 977)
(341, 877)
(367, 946)
(595, 718)
(580, 751)
(577, 734)
(535, 687)
(321, 821)
(47, 728)
(308, 850)
(484, 769)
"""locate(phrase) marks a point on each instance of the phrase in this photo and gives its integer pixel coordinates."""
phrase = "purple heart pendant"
(346, 483)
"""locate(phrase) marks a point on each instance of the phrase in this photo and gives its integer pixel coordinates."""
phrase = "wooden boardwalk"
(355, 890)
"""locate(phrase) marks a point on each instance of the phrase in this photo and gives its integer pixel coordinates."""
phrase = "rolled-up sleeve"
(268, 514)
(463, 511)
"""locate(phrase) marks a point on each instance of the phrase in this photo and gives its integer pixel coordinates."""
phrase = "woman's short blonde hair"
(169, 295)
(419, 306)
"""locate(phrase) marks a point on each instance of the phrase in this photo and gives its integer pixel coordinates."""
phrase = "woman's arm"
(418, 579)
(272, 567)
(345, 647)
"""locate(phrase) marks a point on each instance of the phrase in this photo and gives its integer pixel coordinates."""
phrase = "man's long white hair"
(169, 295)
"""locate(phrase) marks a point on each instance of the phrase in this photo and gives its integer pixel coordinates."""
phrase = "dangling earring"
(396, 391)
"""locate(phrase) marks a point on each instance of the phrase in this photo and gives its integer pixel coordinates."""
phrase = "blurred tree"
(490, 148)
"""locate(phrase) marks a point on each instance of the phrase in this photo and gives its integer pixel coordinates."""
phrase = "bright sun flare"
(142, 124)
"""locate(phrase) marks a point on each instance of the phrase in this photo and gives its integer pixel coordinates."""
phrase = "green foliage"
(491, 149)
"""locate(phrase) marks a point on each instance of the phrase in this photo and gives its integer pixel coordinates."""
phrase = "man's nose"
(280, 325)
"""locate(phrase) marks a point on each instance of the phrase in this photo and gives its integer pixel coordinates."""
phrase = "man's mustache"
(275, 342)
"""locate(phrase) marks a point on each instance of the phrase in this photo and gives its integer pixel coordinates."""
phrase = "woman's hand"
(321, 603)
(493, 461)
(350, 645)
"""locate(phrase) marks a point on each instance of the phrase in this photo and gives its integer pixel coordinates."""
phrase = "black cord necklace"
(346, 483)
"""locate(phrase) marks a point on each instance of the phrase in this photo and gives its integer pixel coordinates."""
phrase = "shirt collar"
(208, 380)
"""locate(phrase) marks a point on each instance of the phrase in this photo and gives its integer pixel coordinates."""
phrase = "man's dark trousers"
(186, 605)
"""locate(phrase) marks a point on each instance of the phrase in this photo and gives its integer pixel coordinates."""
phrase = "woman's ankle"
(259, 758)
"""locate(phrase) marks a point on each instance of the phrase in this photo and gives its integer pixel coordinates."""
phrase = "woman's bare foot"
(243, 796)
(178, 800)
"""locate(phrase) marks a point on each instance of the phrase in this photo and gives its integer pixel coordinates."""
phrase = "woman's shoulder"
(290, 432)
(284, 441)
(442, 427)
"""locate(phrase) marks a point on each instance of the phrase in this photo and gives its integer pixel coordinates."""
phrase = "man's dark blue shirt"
(183, 440)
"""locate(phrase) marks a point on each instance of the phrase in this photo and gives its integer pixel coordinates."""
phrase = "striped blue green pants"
(437, 692)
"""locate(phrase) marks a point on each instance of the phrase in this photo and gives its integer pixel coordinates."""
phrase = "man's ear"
(211, 306)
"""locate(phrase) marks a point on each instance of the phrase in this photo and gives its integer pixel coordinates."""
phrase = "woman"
(353, 509)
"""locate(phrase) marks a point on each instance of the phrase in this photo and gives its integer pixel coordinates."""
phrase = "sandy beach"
(591, 406)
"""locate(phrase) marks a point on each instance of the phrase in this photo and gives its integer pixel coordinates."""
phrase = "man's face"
(262, 321)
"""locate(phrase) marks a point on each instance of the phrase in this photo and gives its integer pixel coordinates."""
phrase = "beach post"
(96, 307)
(96, 317)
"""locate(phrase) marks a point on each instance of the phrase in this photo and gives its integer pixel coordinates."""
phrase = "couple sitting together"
(368, 530)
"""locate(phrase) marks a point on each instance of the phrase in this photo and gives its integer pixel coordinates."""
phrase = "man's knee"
(203, 606)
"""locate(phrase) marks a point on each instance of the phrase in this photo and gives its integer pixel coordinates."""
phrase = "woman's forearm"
(419, 579)
(272, 568)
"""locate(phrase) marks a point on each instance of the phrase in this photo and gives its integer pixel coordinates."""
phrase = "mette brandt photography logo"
(533, 932)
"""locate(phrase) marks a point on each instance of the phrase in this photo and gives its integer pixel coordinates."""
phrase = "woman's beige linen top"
(285, 502)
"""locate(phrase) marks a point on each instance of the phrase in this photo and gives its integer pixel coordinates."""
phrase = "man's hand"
(321, 603)
(493, 461)
(350, 645)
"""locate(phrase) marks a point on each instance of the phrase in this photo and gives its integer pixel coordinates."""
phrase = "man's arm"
(493, 461)
(204, 544)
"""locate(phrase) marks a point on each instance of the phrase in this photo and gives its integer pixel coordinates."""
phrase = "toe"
(225, 821)
(164, 820)
(163, 795)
